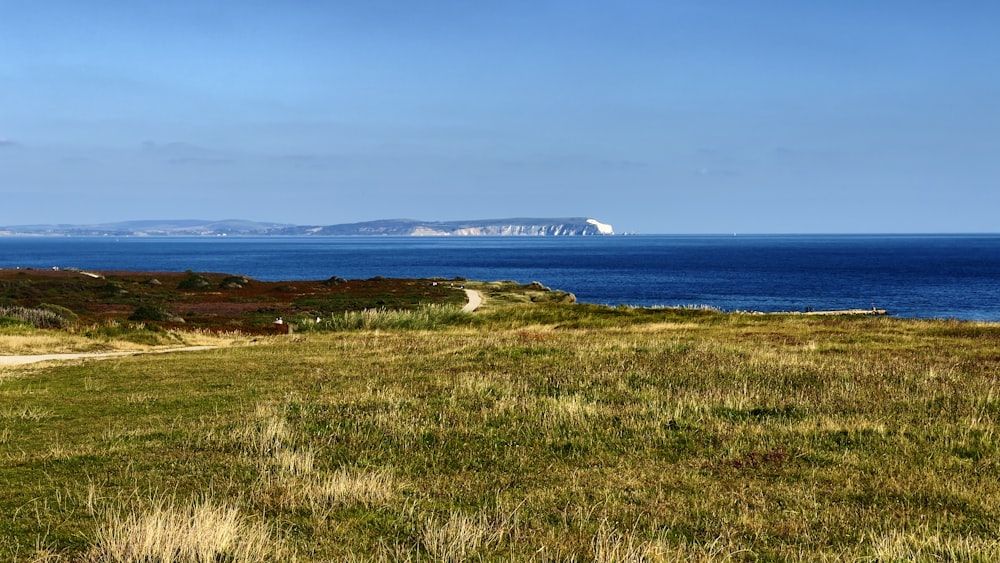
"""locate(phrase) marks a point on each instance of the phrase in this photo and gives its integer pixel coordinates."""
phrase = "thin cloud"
(179, 153)
(6, 143)
(312, 160)
(198, 161)
(175, 149)
(790, 153)
(723, 172)
(718, 163)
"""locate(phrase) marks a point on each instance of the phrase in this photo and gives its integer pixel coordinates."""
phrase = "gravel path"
(475, 300)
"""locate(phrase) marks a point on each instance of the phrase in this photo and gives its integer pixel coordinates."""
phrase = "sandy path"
(34, 358)
(475, 300)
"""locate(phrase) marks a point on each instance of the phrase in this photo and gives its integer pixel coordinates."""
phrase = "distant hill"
(150, 228)
(571, 226)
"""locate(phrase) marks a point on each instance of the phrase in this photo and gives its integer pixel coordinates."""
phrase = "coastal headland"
(873, 312)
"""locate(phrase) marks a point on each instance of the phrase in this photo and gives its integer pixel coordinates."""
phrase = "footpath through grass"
(549, 432)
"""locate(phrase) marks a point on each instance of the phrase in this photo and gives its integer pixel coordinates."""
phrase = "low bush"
(194, 281)
(37, 317)
(234, 282)
(149, 312)
(68, 315)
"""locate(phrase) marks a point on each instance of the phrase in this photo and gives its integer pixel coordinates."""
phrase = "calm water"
(945, 276)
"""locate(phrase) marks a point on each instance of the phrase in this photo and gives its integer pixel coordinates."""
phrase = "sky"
(666, 116)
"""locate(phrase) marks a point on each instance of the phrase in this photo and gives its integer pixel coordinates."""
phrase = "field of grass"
(532, 430)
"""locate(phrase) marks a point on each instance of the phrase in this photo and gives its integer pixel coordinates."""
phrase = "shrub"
(38, 317)
(194, 281)
(553, 297)
(69, 316)
(149, 312)
(112, 289)
(234, 282)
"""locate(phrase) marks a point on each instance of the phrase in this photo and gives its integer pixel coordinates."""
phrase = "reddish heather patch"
(213, 300)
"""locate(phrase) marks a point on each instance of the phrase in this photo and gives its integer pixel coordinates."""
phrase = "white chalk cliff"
(573, 226)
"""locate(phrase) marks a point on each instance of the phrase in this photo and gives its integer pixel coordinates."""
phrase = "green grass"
(545, 432)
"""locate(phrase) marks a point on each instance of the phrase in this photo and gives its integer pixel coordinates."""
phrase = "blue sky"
(657, 117)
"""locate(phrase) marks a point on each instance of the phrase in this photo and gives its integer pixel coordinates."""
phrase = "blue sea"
(921, 276)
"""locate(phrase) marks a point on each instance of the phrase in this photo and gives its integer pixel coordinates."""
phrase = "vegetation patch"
(201, 300)
(528, 430)
(38, 317)
(195, 532)
(149, 312)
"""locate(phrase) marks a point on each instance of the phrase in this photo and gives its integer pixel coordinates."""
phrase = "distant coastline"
(921, 276)
(566, 226)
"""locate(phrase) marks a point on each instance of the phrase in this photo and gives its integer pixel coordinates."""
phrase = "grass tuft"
(456, 539)
(926, 544)
(424, 318)
(349, 487)
(190, 533)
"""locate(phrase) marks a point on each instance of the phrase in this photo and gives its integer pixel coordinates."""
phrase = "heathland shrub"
(68, 316)
(149, 312)
(194, 281)
(553, 297)
(234, 282)
(37, 317)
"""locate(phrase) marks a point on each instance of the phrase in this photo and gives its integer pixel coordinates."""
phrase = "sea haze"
(926, 276)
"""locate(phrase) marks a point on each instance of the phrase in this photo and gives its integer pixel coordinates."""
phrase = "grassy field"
(530, 430)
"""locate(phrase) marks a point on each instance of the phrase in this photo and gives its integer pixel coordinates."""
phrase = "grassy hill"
(530, 430)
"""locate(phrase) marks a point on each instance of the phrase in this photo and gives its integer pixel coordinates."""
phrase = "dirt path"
(475, 300)
(34, 358)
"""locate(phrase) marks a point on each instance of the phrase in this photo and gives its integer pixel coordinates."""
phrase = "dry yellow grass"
(50, 342)
(196, 532)
(35, 342)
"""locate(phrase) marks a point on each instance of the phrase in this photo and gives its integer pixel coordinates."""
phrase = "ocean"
(913, 276)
